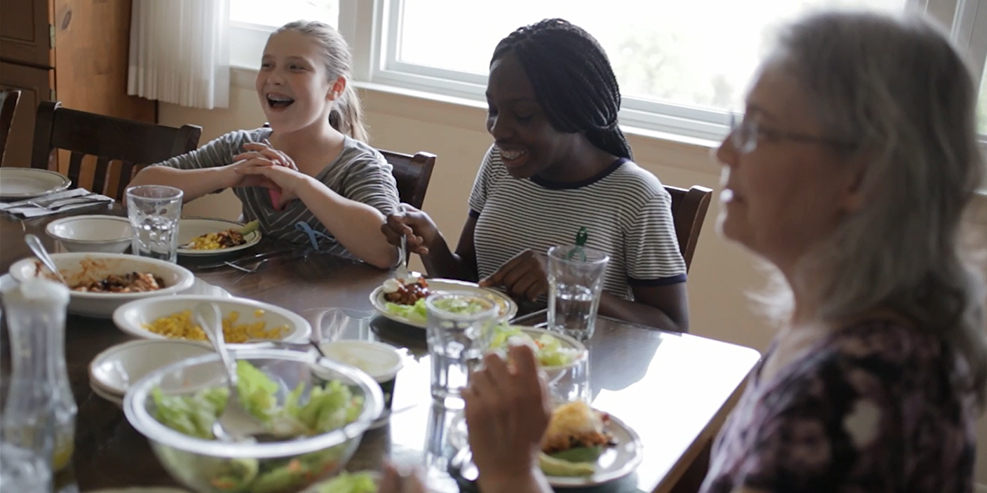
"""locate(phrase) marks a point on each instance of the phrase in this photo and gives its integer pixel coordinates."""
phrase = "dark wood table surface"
(673, 390)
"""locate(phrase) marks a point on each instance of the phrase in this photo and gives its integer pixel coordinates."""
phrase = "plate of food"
(581, 447)
(403, 300)
(201, 237)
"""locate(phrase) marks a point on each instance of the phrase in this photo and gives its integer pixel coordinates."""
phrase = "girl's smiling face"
(292, 84)
(528, 142)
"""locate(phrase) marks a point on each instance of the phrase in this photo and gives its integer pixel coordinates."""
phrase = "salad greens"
(419, 313)
(548, 349)
(326, 408)
(358, 482)
(413, 313)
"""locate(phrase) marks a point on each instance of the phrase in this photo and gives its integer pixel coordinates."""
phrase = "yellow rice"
(180, 325)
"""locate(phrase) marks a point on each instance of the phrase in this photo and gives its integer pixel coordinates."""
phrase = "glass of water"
(575, 282)
(154, 211)
(459, 329)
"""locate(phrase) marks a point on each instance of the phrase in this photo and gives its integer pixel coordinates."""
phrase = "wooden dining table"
(674, 390)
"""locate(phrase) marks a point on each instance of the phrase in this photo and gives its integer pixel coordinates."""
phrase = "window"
(281, 12)
(681, 64)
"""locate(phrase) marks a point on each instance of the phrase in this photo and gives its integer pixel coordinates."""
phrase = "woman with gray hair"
(850, 173)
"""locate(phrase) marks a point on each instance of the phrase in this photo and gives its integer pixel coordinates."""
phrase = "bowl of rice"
(245, 322)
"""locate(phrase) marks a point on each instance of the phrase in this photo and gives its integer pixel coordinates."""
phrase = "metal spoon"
(34, 243)
(402, 270)
(235, 424)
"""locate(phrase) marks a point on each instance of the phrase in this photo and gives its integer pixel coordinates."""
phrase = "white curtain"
(180, 53)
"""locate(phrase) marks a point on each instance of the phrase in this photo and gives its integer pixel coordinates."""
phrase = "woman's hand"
(415, 225)
(525, 275)
(507, 412)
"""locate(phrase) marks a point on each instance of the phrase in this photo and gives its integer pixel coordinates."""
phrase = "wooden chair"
(109, 139)
(412, 174)
(689, 210)
(8, 103)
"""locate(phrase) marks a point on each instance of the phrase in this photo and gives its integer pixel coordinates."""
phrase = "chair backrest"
(8, 103)
(108, 139)
(688, 211)
(412, 174)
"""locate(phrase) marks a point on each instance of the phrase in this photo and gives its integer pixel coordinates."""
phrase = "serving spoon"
(235, 424)
(34, 243)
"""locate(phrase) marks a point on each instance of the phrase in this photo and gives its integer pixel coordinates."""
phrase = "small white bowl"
(381, 361)
(88, 267)
(106, 234)
(130, 318)
(115, 369)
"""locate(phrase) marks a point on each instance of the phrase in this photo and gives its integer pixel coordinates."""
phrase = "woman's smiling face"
(292, 84)
(527, 141)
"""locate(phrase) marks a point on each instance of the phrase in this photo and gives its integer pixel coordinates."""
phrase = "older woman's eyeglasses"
(745, 134)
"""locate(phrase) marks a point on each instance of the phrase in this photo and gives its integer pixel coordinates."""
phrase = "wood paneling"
(92, 42)
(24, 32)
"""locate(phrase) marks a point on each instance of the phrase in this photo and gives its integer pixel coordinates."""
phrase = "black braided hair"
(573, 80)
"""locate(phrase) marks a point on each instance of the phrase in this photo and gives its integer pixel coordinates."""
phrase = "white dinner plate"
(508, 308)
(192, 227)
(615, 462)
(28, 183)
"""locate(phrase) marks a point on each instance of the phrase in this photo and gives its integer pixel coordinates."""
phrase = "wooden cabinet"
(73, 51)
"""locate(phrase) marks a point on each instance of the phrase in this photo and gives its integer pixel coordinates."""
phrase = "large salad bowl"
(206, 465)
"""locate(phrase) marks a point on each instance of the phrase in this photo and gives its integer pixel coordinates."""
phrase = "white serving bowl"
(130, 318)
(106, 234)
(114, 370)
(80, 268)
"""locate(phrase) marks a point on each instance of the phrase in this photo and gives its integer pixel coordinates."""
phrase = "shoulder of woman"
(889, 338)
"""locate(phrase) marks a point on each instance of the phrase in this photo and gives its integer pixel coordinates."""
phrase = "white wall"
(721, 273)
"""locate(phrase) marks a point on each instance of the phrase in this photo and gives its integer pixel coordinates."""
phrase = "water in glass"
(460, 326)
(154, 212)
(575, 283)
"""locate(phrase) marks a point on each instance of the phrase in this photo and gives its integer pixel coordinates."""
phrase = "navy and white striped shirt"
(359, 173)
(625, 208)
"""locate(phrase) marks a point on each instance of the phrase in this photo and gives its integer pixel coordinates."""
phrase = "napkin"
(55, 203)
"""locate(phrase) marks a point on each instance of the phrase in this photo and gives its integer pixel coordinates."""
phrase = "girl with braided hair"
(559, 162)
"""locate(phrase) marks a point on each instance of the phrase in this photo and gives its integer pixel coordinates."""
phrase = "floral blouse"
(871, 408)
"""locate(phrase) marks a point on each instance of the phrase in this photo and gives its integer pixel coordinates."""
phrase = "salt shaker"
(36, 324)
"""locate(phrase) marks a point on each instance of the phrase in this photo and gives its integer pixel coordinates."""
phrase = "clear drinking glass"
(154, 211)
(575, 282)
(459, 328)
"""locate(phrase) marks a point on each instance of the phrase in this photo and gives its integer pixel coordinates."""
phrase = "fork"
(402, 270)
(248, 270)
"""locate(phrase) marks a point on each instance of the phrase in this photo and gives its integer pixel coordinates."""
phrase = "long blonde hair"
(346, 114)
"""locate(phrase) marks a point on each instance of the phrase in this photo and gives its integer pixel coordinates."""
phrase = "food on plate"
(406, 291)
(548, 349)
(576, 434)
(182, 325)
(132, 282)
(345, 482)
(327, 408)
(559, 467)
(417, 312)
(223, 239)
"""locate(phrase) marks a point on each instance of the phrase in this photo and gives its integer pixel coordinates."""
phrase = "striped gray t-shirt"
(359, 173)
(625, 208)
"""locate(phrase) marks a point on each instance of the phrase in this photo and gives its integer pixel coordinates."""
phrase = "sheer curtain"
(179, 52)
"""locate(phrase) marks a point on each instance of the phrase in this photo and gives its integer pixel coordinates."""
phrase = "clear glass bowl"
(207, 466)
